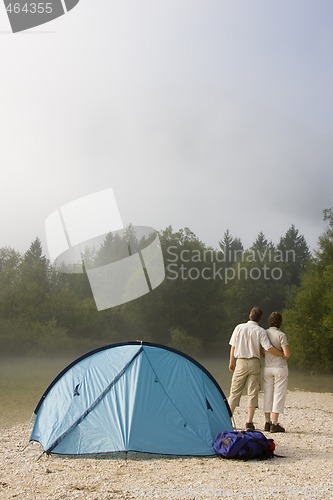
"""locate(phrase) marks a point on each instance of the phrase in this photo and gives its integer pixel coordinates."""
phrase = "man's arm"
(275, 351)
(265, 342)
(232, 363)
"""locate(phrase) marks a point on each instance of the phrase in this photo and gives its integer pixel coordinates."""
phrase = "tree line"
(205, 293)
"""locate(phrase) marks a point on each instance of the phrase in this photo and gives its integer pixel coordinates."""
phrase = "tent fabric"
(134, 396)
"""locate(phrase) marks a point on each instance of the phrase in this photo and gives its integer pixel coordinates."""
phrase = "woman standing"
(275, 375)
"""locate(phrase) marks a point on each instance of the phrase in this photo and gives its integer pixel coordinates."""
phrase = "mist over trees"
(206, 292)
(309, 313)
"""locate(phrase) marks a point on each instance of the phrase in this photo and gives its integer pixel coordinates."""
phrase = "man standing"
(245, 342)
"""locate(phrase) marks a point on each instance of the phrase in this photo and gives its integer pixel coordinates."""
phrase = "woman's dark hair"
(255, 314)
(275, 319)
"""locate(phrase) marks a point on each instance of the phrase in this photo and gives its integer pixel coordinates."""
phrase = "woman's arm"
(286, 351)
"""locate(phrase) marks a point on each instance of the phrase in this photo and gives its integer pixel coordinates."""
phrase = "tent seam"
(95, 403)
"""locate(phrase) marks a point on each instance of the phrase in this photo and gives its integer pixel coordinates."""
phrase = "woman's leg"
(268, 392)
(280, 390)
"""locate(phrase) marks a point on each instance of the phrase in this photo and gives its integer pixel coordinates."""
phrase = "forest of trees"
(205, 293)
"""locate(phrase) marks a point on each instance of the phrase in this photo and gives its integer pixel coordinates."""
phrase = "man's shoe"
(277, 428)
(249, 426)
(267, 427)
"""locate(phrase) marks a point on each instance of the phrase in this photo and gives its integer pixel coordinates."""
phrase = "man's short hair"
(275, 319)
(255, 314)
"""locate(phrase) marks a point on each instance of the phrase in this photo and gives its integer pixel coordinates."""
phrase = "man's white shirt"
(247, 339)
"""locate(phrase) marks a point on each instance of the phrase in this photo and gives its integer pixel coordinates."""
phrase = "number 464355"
(30, 8)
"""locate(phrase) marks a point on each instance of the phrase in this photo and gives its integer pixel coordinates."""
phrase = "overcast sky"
(209, 114)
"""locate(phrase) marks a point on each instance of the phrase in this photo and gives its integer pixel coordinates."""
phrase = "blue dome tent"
(134, 396)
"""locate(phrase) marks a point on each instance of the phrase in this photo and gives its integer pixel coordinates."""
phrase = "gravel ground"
(305, 471)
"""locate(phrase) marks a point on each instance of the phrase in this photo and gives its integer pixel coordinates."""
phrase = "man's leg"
(253, 388)
(250, 413)
(238, 382)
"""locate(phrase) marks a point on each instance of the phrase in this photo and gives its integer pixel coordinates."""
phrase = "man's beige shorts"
(246, 371)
